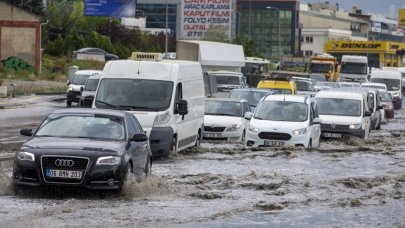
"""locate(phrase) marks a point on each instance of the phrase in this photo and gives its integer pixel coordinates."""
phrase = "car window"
(138, 127)
(223, 108)
(80, 79)
(83, 126)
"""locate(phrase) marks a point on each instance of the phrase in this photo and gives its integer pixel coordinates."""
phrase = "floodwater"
(340, 184)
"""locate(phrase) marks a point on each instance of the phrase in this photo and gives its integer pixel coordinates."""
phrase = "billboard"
(198, 16)
(401, 17)
(110, 8)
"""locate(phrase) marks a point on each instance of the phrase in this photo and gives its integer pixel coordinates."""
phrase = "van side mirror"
(26, 131)
(248, 115)
(68, 82)
(81, 88)
(181, 107)
(368, 113)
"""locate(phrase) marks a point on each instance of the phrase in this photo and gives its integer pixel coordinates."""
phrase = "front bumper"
(161, 140)
(73, 96)
(254, 140)
(341, 129)
(28, 173)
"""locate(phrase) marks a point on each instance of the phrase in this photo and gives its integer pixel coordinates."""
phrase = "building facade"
(314, 39)
(272, 25)
(20, 35)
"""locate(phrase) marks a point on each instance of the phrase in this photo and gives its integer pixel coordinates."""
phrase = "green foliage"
(34, 6)
(56, 47)
(216, 34)
(100, 41)
(74, 41)
(249, 46)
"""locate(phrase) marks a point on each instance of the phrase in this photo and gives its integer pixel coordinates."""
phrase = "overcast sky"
(372, 6)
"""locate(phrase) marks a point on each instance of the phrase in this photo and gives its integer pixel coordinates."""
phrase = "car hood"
(221, 121)
(340, 120)
(73, 145)
(277, 126)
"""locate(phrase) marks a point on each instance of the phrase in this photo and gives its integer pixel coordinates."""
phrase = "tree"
(35, 6)
(249, 46)
(63, 16)
(216, 34)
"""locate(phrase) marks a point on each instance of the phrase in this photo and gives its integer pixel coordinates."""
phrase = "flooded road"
(340, 184)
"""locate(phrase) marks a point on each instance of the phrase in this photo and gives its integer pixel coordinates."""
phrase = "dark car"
(252, 95)
(95, 51)
(89, 91)
(75, 84)
(93, 148)
(386, 102)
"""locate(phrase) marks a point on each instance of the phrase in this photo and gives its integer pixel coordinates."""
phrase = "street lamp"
(278, 47)
(167, 25)
(237, 17)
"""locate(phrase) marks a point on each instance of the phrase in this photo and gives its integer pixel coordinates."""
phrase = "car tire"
(310, 143)
(128, 171)
(68, 103)
(173, 147)
(198, 140)
(378, 126)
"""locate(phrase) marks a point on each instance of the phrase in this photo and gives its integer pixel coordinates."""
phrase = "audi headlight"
(109, 160)
(26, 156)
(299, 131)
(254, 130)
(355, 126)
(234, 127)
(162, 118)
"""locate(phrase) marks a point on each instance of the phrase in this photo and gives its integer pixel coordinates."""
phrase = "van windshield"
(304, 85)
(227, 80)
(134, 94)
(338, 106)
(354, 68)
(282, 111)
(392, 84)
(80, 79)
(320, 68)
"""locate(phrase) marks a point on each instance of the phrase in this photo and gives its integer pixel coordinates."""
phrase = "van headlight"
(396, 94)
(299, 131)
(355, 126)
(234, 127)
(26, 156)
(70, 89)
(109, 160)
(162, 118)
(254, 130)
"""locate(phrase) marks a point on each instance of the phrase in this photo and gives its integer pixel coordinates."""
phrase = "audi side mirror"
(26, 131)
(139, 137)
(368, 113)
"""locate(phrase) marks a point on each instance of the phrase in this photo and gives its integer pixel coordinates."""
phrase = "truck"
(354, 68)
(325, 65)
(254, 66)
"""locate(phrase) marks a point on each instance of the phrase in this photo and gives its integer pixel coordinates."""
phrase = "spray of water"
(5, 183)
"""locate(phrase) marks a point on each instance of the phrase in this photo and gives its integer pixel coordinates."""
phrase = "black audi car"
(91, 148)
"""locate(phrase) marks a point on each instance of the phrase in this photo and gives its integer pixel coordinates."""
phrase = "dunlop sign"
(361, 46)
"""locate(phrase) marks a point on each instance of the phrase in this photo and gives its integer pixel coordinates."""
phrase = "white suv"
(284, 120)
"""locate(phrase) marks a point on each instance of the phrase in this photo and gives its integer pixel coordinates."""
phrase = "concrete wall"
(20, 34)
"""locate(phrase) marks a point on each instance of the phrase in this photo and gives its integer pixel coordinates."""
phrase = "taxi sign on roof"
(146, 56)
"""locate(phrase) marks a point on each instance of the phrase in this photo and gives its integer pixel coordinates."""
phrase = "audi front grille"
(70, 163)
(275, 136)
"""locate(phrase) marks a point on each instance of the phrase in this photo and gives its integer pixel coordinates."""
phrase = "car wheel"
(310, 143)
(173, 147)
(68, 103)
(128, 173)
(378, 126)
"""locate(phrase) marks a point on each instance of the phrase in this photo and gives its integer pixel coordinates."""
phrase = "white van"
(343, 112)
(166, 96)
(393, 80)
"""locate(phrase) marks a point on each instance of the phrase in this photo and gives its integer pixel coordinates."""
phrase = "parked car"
(224, 119)
(343, 112)
(376, 107)
(89, 91)
(78, 80)
(393, 80)
(388, 105)
(349, 85)
(90, 148)
(281, 120)
(379, 86)
(326, 85)
(252, 95)
(95, 51)
(305, 86)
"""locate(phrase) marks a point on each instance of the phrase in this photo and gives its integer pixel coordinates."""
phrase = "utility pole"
(167, 26)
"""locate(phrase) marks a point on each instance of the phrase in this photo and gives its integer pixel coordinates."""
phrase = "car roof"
(292, 98)
(226, 99)
(87, 72)
(95, 76)
(252, 90)
(110, 112)
(302, 79)
(373, 83)
(345, 93)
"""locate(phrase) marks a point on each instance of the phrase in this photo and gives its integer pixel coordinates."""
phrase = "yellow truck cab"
(280, 82)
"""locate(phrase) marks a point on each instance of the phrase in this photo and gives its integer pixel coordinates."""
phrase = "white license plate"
(64, 173)
(273, 143)
(212, 135)
(332, 135)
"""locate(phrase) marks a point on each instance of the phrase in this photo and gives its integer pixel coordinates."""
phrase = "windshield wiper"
(257, 118)
(133, 108)
(107, 104)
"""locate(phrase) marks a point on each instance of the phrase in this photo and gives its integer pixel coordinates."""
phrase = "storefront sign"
(198, 16)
